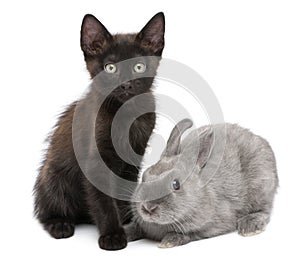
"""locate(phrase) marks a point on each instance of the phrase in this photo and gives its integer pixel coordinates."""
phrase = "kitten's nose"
(126, 86)
(149, 208)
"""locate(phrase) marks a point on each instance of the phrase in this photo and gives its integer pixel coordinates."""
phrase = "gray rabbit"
(218, 191)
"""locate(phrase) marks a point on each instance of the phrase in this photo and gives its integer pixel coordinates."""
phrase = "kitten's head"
(103, 51)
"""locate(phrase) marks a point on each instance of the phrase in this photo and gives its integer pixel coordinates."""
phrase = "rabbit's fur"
(237, 194)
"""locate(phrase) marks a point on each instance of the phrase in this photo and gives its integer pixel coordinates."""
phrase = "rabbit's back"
(244, 181)
(257, 167)
(248, 165)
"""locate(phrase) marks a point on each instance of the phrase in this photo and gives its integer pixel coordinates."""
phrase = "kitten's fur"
(63, 196)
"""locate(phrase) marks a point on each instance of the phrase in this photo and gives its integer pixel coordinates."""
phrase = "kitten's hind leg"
(56, 204)
(57, 217)
(60, 228)
(253, 224)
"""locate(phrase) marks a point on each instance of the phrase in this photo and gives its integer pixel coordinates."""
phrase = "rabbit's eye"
(176, 184)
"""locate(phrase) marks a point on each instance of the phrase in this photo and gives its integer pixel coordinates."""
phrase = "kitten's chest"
(140, 131)
(121, 136)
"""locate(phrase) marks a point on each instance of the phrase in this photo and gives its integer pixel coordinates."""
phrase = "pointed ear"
(152, 35)
(173, 144)
(206, 145)
(94, 36)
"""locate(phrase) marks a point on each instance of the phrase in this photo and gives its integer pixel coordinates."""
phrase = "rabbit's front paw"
(172, 240)
(252, 224)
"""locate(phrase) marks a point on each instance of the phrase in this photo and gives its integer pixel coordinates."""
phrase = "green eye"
(110, 68)
(139, 68)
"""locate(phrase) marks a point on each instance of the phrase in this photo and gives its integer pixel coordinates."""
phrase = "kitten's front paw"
(115, 241)
(172, 240)
(133, 232)
(60, 228)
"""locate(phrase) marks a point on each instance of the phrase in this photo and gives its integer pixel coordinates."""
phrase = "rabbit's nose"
(149, 208)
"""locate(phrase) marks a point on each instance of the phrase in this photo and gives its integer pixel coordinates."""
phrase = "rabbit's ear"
(206, 146)
(173, 144)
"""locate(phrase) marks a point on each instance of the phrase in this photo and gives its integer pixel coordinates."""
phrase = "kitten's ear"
(94, 36)
(152, 35)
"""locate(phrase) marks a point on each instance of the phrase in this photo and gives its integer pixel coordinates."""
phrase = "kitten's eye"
(139, 68)
(110, 68)
(176, 184)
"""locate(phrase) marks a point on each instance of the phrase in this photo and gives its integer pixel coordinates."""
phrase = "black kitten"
(63, 195)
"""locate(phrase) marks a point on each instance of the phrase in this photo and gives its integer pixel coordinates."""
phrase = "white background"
(248, 52)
